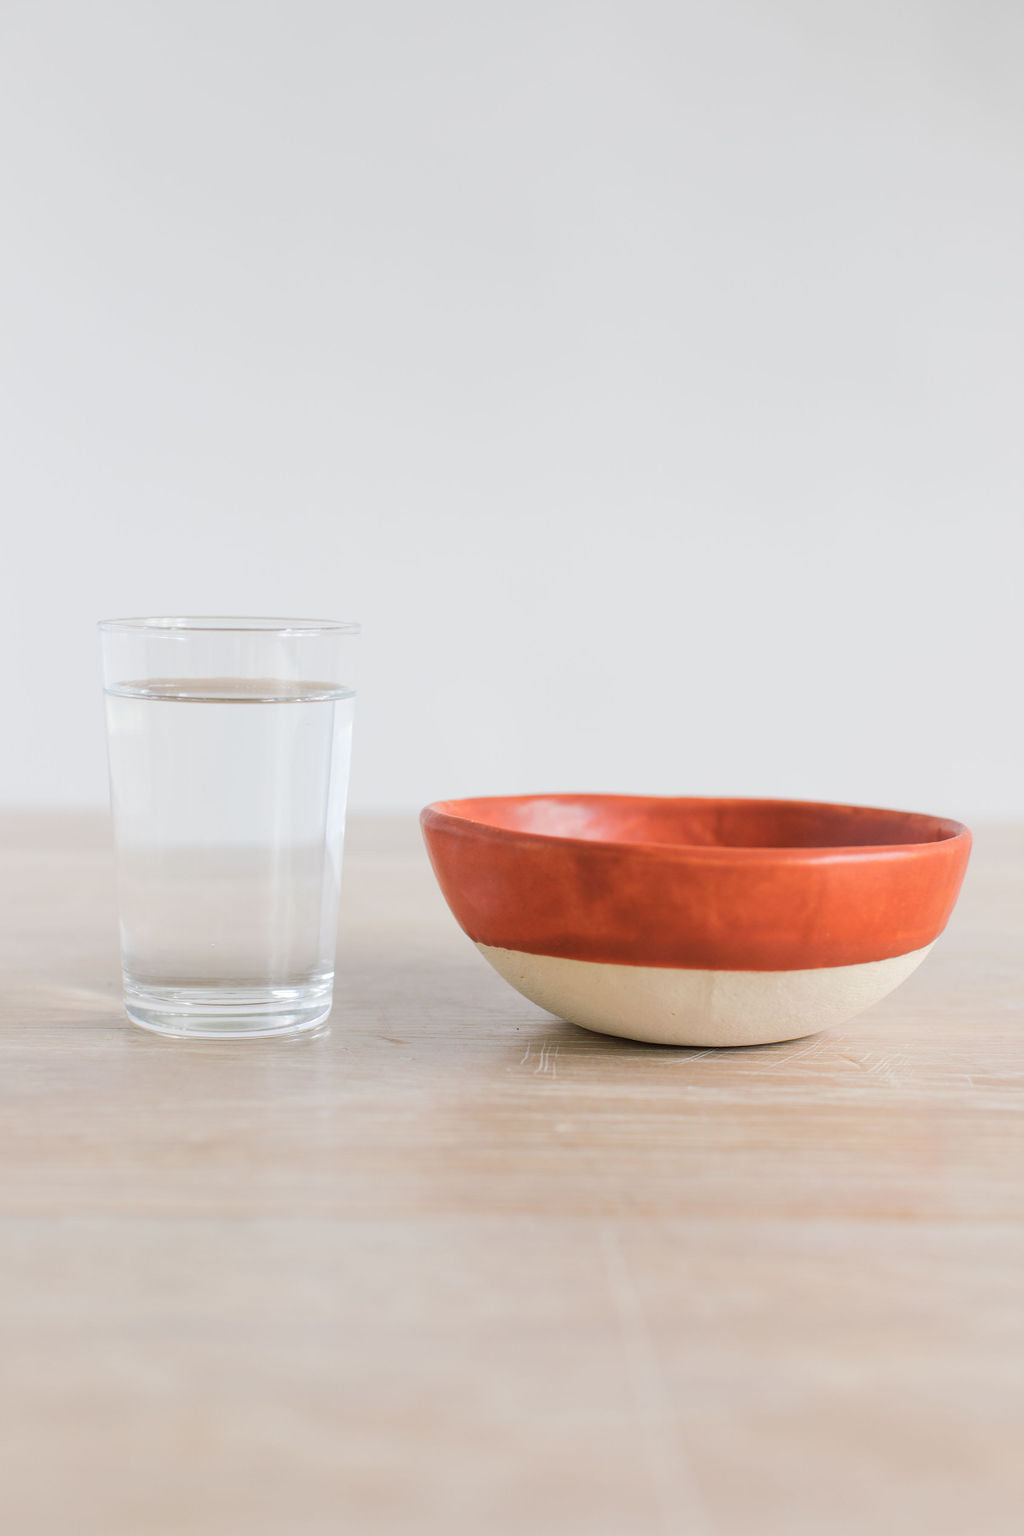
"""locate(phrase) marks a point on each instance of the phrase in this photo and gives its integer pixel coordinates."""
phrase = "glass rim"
(224, 624)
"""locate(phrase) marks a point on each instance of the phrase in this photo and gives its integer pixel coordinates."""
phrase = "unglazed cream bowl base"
(664, 1005)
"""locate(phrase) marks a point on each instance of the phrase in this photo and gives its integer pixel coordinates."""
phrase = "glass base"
(228, 1013)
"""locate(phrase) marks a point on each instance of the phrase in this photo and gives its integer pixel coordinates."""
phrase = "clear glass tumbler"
(229, 744)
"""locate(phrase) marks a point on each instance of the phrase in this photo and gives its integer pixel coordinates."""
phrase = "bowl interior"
(707, 823)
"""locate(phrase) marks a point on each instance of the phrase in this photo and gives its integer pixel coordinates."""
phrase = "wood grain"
(460, 1267)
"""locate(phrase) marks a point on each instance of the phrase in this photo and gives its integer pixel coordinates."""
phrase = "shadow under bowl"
(698, 922)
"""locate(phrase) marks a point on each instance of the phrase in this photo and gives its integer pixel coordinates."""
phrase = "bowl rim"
(440, 812)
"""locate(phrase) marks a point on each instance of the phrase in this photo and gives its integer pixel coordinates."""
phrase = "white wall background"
(646, 375)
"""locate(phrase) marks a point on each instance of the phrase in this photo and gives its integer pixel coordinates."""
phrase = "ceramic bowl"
(697, 922)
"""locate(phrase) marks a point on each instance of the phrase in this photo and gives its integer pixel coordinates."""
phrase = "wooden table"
(460, 1267)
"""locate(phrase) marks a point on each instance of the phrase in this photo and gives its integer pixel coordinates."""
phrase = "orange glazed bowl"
(697, 922)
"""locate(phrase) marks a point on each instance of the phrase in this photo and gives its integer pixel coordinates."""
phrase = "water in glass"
(229, 809)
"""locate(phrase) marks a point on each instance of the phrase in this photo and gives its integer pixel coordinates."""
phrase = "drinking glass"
(229, 742)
